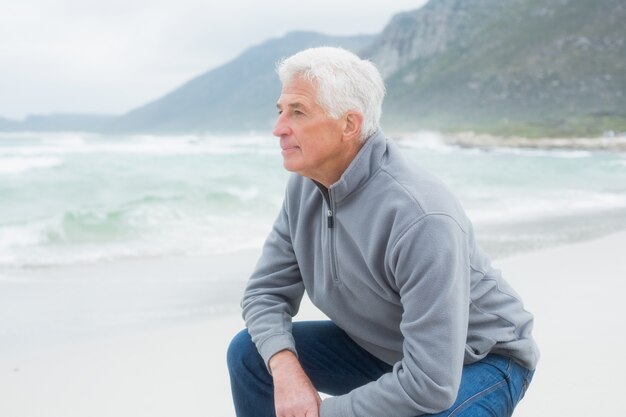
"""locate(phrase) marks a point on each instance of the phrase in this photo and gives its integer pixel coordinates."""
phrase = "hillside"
(506, 67)
(525, 67)
(238, 96)
(58, 122)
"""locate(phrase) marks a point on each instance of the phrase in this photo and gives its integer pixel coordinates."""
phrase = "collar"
(363, 166)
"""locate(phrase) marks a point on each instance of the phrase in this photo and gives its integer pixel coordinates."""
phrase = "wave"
(425, 140)
(147, 227)
(84, 143)
(435, 141)
(548, 153)
(112, 207)
(141, 145)
(20, 165)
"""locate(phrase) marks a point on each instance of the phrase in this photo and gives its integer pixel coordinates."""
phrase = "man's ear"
(352, 125)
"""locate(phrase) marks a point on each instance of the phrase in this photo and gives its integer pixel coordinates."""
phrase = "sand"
(575, 292)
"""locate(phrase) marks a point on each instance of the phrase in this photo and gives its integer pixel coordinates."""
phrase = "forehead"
(298, 91)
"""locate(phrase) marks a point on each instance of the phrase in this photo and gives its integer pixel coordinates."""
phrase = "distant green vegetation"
(534, 68)
(583, 127)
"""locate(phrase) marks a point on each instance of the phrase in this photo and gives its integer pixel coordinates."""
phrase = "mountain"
(525, 67)
(507, 67)
(58, 122)
(7, 125)
(238, 96)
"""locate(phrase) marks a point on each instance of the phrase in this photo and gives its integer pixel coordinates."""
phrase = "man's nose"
(281, 127)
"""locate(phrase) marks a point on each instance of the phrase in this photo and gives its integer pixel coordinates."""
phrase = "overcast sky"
(109, 56)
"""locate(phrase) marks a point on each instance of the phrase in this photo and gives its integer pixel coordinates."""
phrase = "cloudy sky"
(109, 56)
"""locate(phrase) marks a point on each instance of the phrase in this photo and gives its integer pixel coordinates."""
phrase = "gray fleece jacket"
(389, 255)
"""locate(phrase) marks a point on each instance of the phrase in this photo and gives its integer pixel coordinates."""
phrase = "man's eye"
(298, 112)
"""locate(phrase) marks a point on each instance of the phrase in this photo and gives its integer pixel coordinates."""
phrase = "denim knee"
(251, 384)
(240, 348)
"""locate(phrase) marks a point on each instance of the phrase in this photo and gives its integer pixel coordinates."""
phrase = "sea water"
(72, 200)
(67, 199)
(77, 198)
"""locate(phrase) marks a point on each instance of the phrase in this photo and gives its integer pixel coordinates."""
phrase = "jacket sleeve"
(273, 293)
(430, 266)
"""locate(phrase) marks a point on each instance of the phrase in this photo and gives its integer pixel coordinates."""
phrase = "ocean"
(72, 200)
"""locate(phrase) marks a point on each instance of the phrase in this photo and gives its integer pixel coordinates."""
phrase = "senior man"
(420, 323)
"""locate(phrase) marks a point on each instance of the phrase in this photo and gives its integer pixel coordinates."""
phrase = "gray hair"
(343, 81)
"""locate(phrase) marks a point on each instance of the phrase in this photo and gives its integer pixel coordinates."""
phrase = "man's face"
(310, 139)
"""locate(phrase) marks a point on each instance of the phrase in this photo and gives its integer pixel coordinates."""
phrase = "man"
(420, 323)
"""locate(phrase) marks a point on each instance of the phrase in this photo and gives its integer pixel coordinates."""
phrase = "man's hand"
(294, 394)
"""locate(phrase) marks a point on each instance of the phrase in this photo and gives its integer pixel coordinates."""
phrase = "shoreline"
(574, 291)
(486, 141)
(472, 140)
(467, 139)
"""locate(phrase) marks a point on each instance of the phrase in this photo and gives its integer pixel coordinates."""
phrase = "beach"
(574, 290)
(131, 220)
(123, 260)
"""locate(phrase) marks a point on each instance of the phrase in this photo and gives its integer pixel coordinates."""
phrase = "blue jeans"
(336, 365)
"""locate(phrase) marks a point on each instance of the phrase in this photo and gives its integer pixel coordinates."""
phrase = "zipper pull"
(329, 217)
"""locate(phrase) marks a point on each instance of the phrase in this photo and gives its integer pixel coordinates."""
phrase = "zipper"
(330, 227)
(332, 239)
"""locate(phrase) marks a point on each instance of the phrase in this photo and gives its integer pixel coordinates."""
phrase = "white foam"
(20, 236)
(19, 165)
(434, 141)
(549, 153)
(143, 145)
(244, 194)
(70, 139)
(28, 240)
(159, 231)
(426, 140)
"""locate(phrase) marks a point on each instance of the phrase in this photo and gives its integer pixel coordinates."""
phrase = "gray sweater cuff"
(274, 344)
(335, 407)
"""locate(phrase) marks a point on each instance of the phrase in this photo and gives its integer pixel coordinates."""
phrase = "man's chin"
(291, 163)
(289, 166)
